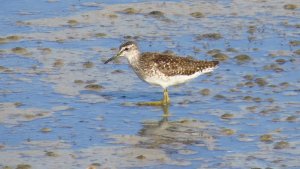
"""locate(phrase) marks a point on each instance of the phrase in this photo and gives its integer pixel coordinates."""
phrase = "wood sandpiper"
(162, 69)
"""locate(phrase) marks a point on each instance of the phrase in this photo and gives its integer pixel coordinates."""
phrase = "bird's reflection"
(166, 132)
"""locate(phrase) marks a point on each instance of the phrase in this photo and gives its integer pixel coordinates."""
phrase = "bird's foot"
(153, 103)
(164, 102)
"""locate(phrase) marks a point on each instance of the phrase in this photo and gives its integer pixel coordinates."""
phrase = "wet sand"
(61, 107)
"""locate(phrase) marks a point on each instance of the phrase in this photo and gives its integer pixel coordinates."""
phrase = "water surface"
(52, 51)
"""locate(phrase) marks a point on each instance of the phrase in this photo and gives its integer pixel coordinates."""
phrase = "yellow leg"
(165, 101)
(165, 109)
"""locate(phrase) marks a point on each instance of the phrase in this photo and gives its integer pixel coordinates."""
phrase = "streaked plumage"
(163, 69)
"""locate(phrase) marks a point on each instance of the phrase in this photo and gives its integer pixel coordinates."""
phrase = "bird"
(162, 69)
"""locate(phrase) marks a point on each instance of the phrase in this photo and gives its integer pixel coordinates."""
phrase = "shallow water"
(50, 52)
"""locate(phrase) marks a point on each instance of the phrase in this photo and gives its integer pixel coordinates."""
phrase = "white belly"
(166, 81)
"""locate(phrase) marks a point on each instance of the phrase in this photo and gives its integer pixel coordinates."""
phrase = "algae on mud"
(250, 105)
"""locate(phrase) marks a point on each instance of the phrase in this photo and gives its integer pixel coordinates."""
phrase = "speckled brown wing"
(171, 65)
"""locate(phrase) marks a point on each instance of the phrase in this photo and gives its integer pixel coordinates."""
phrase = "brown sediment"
(227, 116)
(220, 56)
(209, 36)
(242, 58)
(197, 15)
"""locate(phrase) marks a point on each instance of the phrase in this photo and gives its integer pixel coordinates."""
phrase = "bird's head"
(127, 49)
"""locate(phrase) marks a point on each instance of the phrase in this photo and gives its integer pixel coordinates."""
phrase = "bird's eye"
(126, 49)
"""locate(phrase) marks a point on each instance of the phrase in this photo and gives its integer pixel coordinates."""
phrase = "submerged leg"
(166, 114)
(165, 101)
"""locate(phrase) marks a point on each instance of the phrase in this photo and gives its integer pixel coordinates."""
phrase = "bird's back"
(172, 65)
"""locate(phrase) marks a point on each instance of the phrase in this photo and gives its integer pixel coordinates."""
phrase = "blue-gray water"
(249, 119)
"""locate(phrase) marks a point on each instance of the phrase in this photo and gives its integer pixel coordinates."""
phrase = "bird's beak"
(113, 58)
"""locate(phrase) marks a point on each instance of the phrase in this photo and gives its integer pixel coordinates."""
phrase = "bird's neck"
(133, 58)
